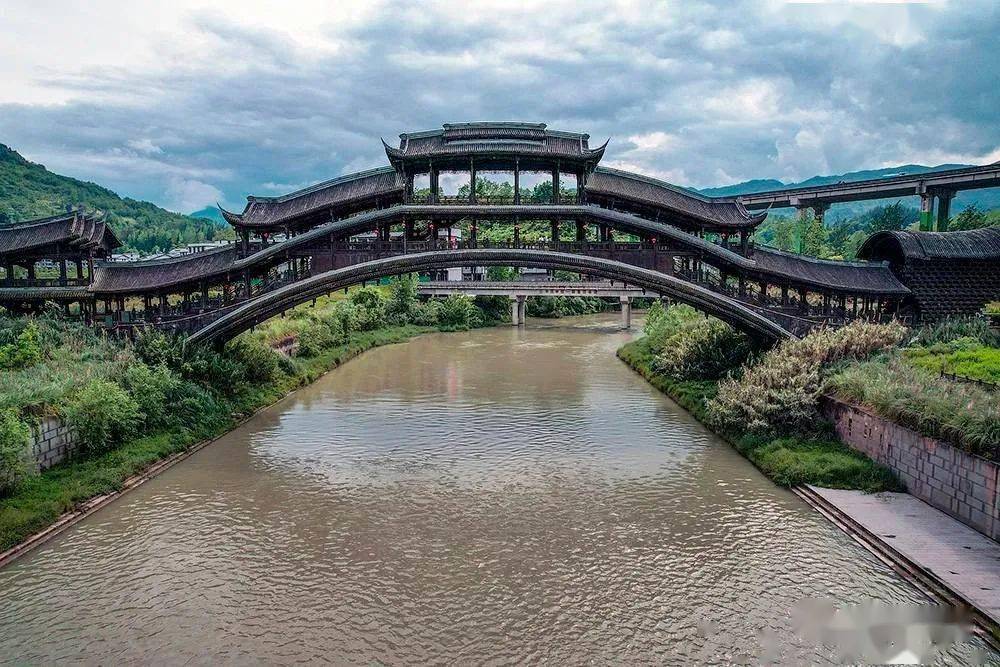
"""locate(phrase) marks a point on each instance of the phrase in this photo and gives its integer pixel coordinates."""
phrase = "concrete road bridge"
(929, 186)
(398, 219)
(519, 291)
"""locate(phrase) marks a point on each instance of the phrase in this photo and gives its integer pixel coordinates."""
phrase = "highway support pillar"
(944, 209)
(626, 303)
(926, 211)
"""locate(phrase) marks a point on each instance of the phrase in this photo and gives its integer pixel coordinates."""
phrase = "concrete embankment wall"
(52, 442)
(963, 485)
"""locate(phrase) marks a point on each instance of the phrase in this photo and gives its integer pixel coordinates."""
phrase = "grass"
(74, 355)
(962, 414)
(977, 361)
(788, 461)
(41, 499)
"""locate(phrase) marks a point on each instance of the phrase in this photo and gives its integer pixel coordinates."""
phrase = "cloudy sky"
(185, 103)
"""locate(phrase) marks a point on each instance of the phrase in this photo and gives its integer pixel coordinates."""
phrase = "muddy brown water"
(491, 497)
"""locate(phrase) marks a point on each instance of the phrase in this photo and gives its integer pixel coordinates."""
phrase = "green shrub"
(314, 339)
(993, 308)
(14, 435)
(457, 312)
(778, 393)
(104, 415)
(153, 389)
(704, 349)
(346, 315)
(258, 363)
(157, 349)
(662, 323)
(25, 351)
(427, 314)
(402, 299)
(371, 308)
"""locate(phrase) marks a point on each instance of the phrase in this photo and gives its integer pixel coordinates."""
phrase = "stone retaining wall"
(963, 485)
(52, 442)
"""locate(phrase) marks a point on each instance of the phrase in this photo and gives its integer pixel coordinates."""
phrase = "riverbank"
(788, 461)
(44, 499)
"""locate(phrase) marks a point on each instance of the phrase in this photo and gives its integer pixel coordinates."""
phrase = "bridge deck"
(525, 288)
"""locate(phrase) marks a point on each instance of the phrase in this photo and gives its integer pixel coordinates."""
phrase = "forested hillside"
(29, 190)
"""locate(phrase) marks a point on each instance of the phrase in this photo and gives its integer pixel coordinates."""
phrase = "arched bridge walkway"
(242, 318)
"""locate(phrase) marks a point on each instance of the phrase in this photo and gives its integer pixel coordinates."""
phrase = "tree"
(970, 218)
(892, 217)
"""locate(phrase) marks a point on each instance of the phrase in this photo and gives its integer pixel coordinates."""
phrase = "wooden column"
(472, 180)
(555, 184)
(517, 181)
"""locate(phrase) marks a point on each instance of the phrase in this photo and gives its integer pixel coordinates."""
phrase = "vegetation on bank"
(704, 365)
(767, 403)
(133, 404)
(905, 384)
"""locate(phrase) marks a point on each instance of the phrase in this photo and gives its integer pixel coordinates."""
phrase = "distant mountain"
(984, 199)
(210, 213)
(29, 190)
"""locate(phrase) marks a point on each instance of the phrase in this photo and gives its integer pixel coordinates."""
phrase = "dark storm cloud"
(701, 94)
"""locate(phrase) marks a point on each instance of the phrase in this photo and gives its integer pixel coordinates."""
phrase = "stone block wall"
(52, 442)
(963, 485)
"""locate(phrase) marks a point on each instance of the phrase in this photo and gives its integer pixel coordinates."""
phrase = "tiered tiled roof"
(152, 275)
(76, 230)
(627, 187)
(383, 182)
(493, 140)
(854, 277)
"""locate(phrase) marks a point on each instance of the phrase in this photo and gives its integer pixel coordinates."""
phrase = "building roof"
(153, 275)
(901, 246)
(854, 277)
(77, 229)
(533, 141)
(337, 192)
(650, 192)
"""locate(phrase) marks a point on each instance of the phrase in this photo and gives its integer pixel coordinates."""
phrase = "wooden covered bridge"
(398, 219)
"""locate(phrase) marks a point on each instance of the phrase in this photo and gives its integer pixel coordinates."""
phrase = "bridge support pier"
(926, 211)
(944, 209)
(626, 304)
(517, 309)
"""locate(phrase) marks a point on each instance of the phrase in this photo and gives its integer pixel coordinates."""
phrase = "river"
(494, 496)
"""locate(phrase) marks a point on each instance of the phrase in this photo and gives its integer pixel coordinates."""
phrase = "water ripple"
(494, 497)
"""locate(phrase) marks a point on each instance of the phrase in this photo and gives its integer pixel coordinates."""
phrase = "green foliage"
(974, 218)
(257, 362)
(14, 435)
(662, 323)
(704, 349)
(457, 312)
(28, 190)
(104, 415)
(314, 338)
(787, 460)
(25, 351)
(993, 308)
(495, 309)
(778, 394)
(891, 217)
(370, 305)
(961, 413)
(403, 297)
(954, 328)
(153, 389)
(427, 313)
(563, 306)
